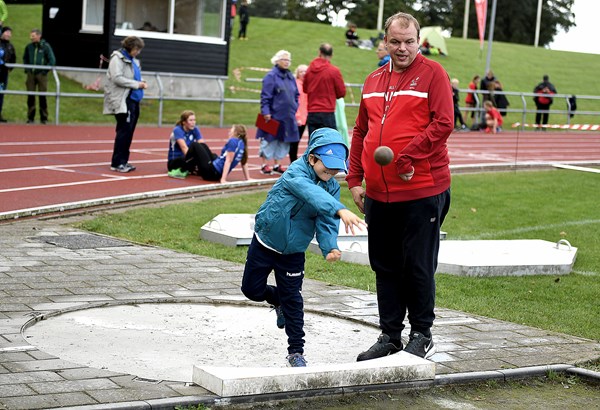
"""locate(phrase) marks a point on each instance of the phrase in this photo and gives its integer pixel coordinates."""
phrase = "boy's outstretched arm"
(351, 220)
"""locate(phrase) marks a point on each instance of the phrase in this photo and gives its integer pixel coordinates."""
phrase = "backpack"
(544, 99)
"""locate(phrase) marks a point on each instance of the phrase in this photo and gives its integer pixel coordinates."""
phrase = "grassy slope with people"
(518, 67)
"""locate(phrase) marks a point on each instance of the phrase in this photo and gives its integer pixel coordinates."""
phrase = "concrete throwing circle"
(162, 341)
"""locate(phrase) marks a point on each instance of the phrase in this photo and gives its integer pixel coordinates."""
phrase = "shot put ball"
(383, 155)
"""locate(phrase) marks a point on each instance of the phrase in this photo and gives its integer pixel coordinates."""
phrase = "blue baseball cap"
(333, 156)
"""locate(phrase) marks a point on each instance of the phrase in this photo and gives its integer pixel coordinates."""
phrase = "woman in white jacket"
(123, 91)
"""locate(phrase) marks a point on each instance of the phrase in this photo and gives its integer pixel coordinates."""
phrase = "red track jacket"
(413, 114)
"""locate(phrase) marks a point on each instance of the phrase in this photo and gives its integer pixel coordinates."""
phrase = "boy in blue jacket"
(304, 202)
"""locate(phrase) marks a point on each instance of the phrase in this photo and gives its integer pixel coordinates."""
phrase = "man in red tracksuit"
(407, 106)
(323, 85)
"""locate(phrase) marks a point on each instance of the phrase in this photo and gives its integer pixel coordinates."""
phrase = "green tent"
(433, 35)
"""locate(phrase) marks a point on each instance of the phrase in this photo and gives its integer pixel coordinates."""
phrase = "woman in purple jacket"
(279, 101)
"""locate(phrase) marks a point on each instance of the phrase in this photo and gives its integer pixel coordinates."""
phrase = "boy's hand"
(333, 255)
(350, 220)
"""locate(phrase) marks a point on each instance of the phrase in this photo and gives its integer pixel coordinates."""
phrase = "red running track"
(46, 168)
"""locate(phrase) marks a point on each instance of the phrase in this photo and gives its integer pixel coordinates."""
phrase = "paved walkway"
(44, 269)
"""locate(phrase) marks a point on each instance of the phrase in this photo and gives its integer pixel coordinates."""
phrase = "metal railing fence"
(206, 88)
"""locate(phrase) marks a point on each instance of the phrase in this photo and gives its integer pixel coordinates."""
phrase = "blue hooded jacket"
(301, 205)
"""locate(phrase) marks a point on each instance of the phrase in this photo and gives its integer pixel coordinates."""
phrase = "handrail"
(161, 94)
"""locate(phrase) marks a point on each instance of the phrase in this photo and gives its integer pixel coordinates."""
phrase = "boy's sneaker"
(123, 168)
(177, 173)
(279, 169)
(280, 317)
(383, 347)
(267, 170)
(419, 345)
(131, 167)
(296, 360)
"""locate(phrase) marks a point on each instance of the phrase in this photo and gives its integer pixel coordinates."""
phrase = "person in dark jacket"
(38, 52)
(543, 100)
(500, 100)
(244, 19)
(456, 98)
(487, 84)
(7, 55)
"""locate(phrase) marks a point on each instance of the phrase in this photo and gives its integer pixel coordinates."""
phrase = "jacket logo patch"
(414, 82)
(294, 274)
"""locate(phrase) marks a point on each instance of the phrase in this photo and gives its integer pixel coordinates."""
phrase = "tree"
(364, 14)
(268, 8)
(516, 20)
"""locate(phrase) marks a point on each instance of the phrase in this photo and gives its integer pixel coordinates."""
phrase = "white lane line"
(109, 178)
(575, 168)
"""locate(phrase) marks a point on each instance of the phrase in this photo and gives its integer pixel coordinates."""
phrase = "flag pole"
(466, 20)
(490, 37)
(538, 21)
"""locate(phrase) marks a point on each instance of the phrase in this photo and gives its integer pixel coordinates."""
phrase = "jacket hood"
(122, 56)
(319, 64)
(324, 136)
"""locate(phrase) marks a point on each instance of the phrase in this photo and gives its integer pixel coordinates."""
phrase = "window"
(93, 16)
(185, 20)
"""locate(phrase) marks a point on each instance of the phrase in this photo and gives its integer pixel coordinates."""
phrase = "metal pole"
(490, 38)
(380, 15)
(466, 19)
(538, 21)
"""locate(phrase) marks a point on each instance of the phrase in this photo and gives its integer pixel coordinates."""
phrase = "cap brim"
(334, 163)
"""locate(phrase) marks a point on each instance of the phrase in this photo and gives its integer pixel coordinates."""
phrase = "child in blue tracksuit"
(303, 202)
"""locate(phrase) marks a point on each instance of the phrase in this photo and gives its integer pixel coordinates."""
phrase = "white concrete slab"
(229, 229)
(483, 257)
(235, 381)
(506, 257)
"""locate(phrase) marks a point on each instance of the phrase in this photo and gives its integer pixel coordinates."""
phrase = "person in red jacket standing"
(407, 106)
(323, 85)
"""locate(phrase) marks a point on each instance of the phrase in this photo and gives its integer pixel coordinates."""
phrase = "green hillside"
(518, 67)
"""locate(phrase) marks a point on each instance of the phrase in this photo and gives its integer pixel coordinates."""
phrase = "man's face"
(35, 37)
(381, 51)
(402, 44)
(6, 35)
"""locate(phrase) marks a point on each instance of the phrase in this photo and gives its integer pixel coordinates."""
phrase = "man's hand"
(358, 195)
(407, 177)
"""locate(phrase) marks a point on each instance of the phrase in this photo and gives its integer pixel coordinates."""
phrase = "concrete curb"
(441, 380)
